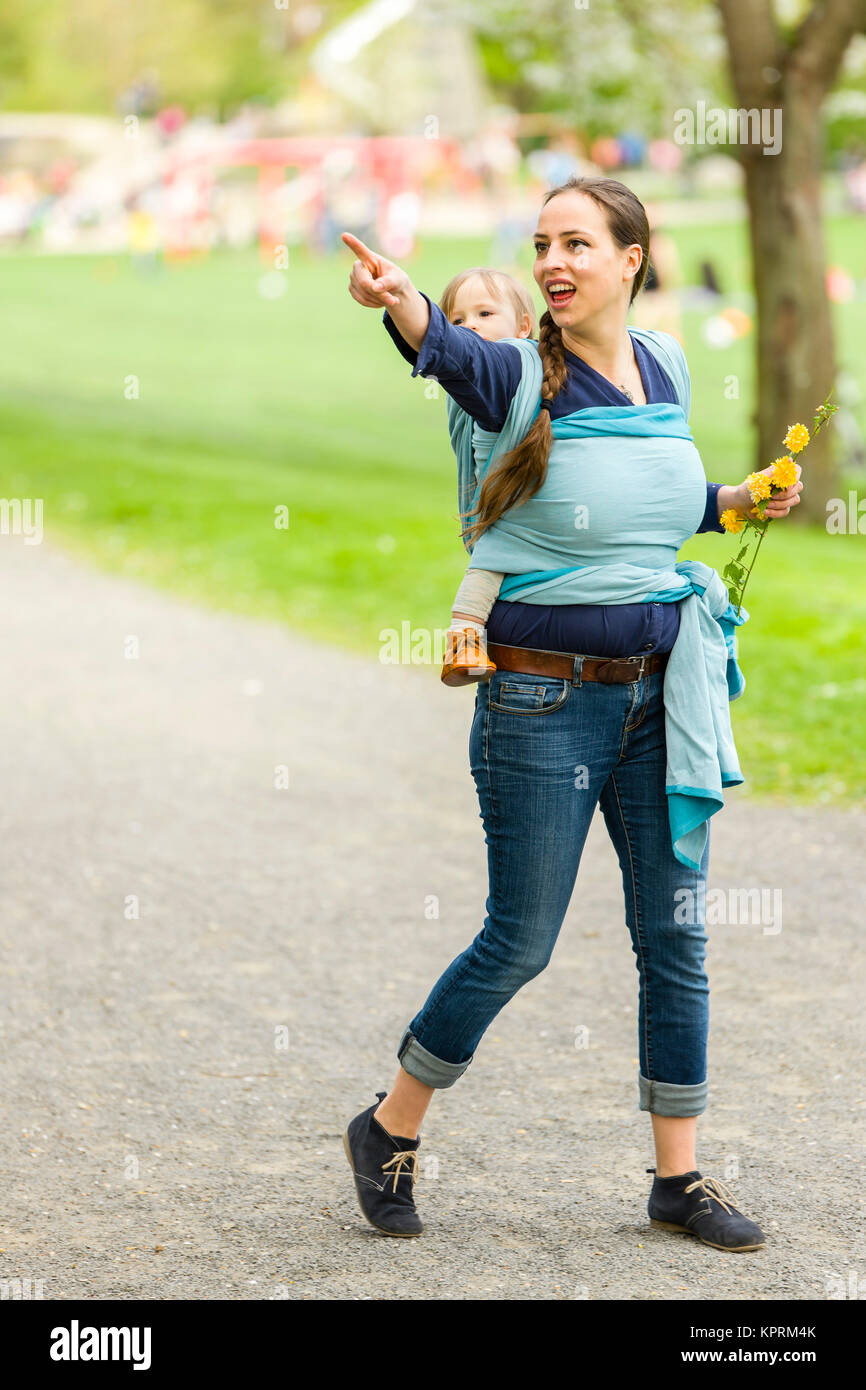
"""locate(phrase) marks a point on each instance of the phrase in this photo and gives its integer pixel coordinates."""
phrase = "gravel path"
(177, 1082)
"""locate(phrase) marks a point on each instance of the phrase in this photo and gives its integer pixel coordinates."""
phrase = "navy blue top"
(483, 377)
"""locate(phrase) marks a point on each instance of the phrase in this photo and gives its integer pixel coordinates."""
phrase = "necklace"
(626, 392)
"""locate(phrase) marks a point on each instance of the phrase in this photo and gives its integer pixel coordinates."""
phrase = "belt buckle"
(624, 661)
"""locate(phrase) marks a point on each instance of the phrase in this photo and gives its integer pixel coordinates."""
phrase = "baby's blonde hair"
(497, 284)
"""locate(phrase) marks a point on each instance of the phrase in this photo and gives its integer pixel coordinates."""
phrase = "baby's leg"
(479, 590)
(466, 656)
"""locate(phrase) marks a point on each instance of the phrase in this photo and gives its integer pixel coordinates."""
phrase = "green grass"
(247, 404)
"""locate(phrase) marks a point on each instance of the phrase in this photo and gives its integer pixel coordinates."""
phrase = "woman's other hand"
(778, 505)
(374, 282)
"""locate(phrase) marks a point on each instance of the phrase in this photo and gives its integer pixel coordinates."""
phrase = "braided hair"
(521, 472)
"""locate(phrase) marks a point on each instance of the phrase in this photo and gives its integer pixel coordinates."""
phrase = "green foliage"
(83, 56)
(607, 68)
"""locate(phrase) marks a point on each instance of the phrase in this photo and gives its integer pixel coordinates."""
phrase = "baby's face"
(487, 315)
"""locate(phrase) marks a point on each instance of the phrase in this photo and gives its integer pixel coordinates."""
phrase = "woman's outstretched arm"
(481, 376)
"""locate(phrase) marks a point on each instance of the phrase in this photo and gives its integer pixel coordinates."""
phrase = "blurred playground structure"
(168, 186)
(89, 184)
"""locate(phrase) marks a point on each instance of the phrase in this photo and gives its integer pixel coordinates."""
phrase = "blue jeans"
(544, 752)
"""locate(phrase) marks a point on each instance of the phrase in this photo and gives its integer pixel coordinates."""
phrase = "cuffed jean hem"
(664, 1098)
(421, 1064)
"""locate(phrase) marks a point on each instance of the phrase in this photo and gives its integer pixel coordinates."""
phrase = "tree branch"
(754, 45)
(823, 37)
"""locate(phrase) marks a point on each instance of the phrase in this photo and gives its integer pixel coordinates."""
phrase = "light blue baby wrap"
(625, 488)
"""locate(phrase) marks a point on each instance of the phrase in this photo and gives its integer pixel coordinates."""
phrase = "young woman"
(537, 721)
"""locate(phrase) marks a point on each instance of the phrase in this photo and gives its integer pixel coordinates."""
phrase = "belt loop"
(577, 672)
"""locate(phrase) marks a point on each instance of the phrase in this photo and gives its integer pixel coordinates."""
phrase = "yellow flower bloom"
(784, 472)
(759, 486)
(797, 438)
(732, 520)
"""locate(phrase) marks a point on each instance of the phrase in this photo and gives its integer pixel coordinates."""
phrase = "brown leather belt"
(534, 661)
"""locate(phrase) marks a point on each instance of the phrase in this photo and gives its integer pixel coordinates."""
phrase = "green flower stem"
(763, 529)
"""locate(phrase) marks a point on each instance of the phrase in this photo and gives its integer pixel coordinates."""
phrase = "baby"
(493, 305)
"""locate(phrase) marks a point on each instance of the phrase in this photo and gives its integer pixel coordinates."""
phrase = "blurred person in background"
(658, 306)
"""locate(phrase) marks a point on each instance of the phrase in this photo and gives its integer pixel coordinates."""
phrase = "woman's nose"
(550, 264)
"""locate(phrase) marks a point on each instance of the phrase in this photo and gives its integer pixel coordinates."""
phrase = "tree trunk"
(795, 356)
(794, 349)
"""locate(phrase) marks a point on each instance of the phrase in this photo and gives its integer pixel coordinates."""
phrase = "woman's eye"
(576, 241)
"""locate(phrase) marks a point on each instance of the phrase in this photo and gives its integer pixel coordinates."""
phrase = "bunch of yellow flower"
(781, 474)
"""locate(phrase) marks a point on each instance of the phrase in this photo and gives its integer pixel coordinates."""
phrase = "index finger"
(370, 259)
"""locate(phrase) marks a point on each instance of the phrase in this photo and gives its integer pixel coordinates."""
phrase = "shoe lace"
(711, 1187)
(403, 1156)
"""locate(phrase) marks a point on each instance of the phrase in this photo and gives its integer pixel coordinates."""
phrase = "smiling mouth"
(560, 292)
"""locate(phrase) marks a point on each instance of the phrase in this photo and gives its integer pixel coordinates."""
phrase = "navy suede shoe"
(384, 1168)
(702, 1207)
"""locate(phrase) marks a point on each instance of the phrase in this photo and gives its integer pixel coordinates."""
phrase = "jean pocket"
(516, 692)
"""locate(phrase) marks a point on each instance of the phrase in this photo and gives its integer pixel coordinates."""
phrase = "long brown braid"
(519, 474)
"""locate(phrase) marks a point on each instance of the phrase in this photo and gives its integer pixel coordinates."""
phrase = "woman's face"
(579, 268)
